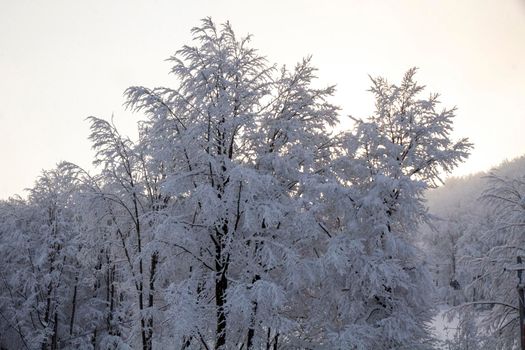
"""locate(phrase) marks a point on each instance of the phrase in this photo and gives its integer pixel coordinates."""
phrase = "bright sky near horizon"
(62, 61)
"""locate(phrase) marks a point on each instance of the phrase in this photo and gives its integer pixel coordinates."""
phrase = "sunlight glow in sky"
(62, 61)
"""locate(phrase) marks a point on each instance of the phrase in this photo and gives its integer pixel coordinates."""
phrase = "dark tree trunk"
(73, 307)
(276, 342)
(54, 337)
(149, 323)
(251, 330)
(221, 285)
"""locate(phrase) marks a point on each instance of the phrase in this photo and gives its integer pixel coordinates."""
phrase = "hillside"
(474, 237)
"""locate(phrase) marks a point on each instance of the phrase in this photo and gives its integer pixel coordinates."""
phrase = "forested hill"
(472, 244)
(466, 190)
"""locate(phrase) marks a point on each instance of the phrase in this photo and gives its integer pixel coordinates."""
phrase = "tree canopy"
(237, 220)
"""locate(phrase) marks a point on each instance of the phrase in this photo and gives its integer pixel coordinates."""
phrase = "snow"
(444, 326)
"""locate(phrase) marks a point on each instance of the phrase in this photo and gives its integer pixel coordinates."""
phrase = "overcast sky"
(62, 61)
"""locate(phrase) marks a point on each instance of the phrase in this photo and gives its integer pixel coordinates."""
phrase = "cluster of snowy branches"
(237, 220)
(478, 236)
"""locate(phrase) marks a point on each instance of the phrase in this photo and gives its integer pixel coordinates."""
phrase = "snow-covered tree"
(495, 270)
(47, 297)
(238, 141)
(127, 197)
(381, 294)
(476, 210)
(236, 220)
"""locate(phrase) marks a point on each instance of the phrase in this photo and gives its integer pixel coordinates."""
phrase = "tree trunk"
(149, 323)
(251, 330)
(54, 337)
(221, 285)
(73, 307)
(276, 341)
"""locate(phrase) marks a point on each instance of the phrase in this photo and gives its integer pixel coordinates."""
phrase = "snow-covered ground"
(444, 326)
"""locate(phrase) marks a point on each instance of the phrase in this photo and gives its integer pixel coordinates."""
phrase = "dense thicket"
(237, 220)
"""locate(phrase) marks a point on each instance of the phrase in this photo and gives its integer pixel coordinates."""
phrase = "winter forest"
(245, 217)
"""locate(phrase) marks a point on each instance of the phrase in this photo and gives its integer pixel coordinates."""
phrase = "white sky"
(61, 61)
